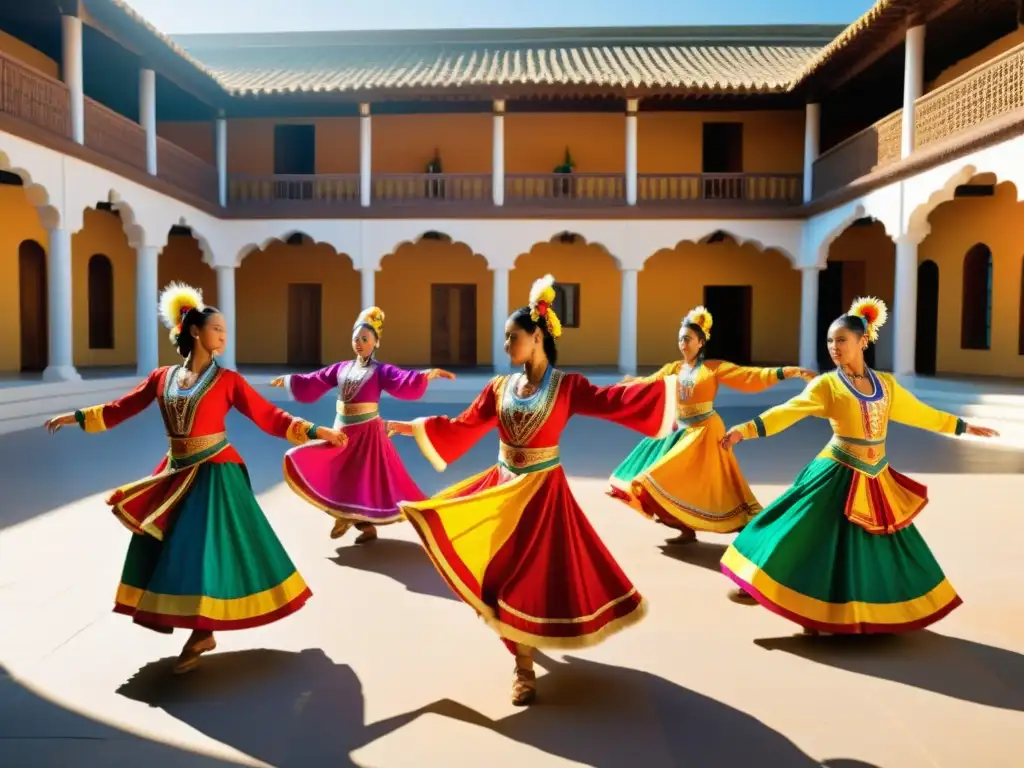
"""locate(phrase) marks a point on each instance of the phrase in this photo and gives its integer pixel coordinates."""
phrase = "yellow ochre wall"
(672, 283)
(261, 290)
(20, 223)
(26, 54)
(878, 252)
(182, 260)
(956, 227)
(986, 54)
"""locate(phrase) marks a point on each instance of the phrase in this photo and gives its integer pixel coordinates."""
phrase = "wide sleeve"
(98, 418)
(745, 378)
(907, 409)
(669, 369)
(443, 440)
(815, 400)
(310, 387)
(401, 383)
(647, 407)
(267, 416)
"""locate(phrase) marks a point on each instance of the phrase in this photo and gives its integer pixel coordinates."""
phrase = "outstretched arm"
(815, 400)
(647, 407)
(751, 380)
(907, 409)
(275, 421)
(98, 418)
(668, 369)
(310, 387)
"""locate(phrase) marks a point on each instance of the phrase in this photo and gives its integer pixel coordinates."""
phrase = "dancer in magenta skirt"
(363, 485)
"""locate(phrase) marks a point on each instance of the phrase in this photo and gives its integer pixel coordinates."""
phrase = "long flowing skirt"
(686, 480)
(803, 559)
(219, 567)
(521, 552)
(362, 482)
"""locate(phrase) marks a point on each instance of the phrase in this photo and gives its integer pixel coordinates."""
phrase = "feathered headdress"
(542, 296)
(700, 317)
(175, 302)
(872, 312)
(373, 317)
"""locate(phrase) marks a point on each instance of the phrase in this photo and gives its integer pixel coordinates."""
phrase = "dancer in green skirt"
(203, 556)
(838, 552)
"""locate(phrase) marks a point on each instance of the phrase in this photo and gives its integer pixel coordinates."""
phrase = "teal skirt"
(803, 559)
(647, 453)
(220, 565)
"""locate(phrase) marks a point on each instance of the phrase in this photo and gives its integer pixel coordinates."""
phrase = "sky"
(183, 16)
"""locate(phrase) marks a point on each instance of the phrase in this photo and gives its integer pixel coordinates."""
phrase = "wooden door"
(927, 345)
(730, 307)
(453, 324)
(830, 306)
(32, 292)
(304, 303)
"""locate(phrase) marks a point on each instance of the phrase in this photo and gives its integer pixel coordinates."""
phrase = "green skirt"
(647, 453)
(219, 567)
(802, 559)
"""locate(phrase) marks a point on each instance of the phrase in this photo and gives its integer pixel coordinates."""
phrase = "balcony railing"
(114, 135)
(185, 171)
(33, 97)
(875, 147)
(761, 188)
(409, 188)
(565, 188)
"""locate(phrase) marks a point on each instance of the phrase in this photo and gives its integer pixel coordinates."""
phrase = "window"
(976, 310)
(567, 304)
(101, 302)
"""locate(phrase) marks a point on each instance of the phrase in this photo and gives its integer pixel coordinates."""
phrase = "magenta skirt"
(362, 482)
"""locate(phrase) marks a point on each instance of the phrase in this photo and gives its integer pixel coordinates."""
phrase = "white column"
(222, 160)
(146, 325)
(632, 105)
(812, 147)
(809, 340)
(365, 153)
(913, 84)
(147, 115)
(627, 322)
(498, 154)
(226, 305)
(71, 28)
(904, 313)
(367, 281)
(59, 317)
(499, 313)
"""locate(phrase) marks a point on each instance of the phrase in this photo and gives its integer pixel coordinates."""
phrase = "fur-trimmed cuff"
(91, 419)
(419, 432)
(668, 416)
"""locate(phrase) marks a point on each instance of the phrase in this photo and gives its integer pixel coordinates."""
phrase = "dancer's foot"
(812, 632)
(198, 644)
(369, 533)
(524, 687)
(340, 528)
(687, 536)
(741, 596)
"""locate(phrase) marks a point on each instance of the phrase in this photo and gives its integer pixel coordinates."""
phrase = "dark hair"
(368, 327)
(703, 339)
(855, 324)
(521, 317)
(194, 318)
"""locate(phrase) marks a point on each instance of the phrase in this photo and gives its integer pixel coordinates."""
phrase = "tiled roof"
(706, 59)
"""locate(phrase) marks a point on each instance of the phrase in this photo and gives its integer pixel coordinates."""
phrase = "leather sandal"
(524, 687)
(189, 658)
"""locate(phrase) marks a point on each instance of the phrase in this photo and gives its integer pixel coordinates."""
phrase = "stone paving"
(385, 668)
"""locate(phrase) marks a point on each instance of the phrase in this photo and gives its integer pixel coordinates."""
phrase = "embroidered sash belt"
(189, 451)
(356, 413)
(867, 456)
(689, 410)
(686, 423)
(524, 460)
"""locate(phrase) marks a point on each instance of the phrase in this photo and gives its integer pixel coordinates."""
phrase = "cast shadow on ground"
(403, 561)
(950, 666)
(703, 554)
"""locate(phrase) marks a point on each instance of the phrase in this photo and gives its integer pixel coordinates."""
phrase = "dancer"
(511, 541)
(362, 483)
(203, 557)
(838, 552)
(685, 480)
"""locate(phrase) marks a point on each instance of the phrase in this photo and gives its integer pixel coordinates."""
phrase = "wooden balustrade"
(29, 95)
(114, 135)
(565, 188)
(763, 188)
(320, 190)
(185, 171)
(877, 146)
(401, 188)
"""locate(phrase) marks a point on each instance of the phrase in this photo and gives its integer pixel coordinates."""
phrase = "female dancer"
(838, 552)
(361, 485)
(203, 556)
(685, 480)
(512, 541)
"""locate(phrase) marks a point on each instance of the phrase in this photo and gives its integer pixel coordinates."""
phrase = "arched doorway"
(101, 302)
(35, 350)
(976, 309)
(926, 349)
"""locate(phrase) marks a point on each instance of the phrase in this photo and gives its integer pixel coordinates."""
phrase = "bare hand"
(792, 372)
(981, 431)
(278, 382)
(628, 379)
(332, 436)
(64, 420)
(398, 428)
(732, 437)
(437, 373)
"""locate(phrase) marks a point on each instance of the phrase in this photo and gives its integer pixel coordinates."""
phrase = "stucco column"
(904, 313)
(812, 147)
(365, 153)
(498, 153)
(367, 282)
(226, 305)
(499, 314)
(632, 106)
(913, 85)
(222, 160)
(146, 325)
(59, 311)
(628, 322)
(147, 115)
(809, 317)
(71, 33)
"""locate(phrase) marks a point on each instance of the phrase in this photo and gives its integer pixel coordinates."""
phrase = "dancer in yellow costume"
(685, 480)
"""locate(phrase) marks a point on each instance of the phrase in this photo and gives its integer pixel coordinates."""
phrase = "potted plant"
(435, 188)
(563, 186)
